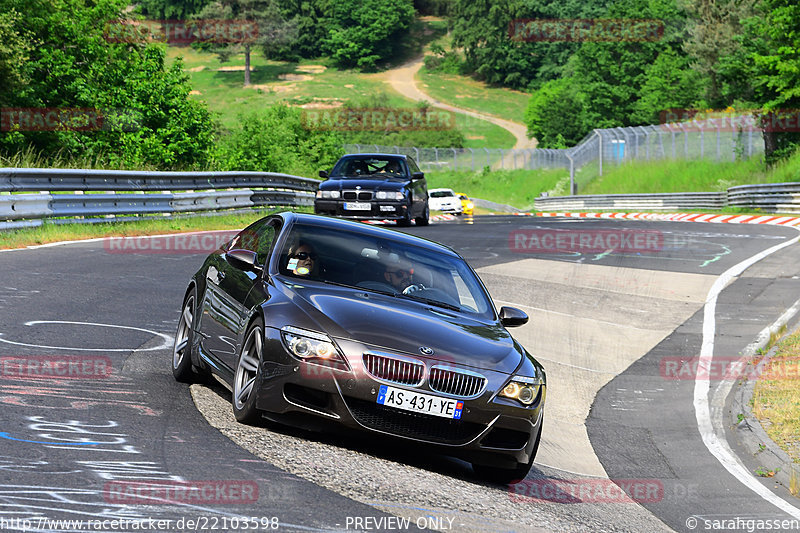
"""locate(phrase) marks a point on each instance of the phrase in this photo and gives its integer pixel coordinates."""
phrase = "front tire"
(248, 370)
(184, 338)
(425, 219)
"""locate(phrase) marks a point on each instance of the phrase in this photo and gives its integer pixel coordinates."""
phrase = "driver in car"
(398, 274)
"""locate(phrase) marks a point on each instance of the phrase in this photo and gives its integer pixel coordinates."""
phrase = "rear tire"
(184, 338)
(248, 371)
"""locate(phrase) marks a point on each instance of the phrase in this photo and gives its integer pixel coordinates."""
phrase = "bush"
(556, 115)
(275, 140)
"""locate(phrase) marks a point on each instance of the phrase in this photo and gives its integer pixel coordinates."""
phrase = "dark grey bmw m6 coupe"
(312, 320)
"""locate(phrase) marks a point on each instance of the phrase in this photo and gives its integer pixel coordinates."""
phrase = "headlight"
(308, 344)
(389, 195)
(470, 205)
(328, 194)
(523, 389)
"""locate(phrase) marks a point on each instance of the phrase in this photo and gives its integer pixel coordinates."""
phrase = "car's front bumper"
(495, 432)
(378, 210)
(454, 209)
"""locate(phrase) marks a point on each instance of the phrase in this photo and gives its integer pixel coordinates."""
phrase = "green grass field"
(518, 188)
(467, 93)
(312, 84)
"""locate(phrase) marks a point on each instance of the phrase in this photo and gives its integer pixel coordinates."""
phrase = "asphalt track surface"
(68, 444)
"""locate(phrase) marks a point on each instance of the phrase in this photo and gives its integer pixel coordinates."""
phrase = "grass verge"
(692, 175)
(48, 233)
(467, 93)
(518, 188)
(776, 402)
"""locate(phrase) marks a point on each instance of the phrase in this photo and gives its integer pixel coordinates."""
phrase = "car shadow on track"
(386, 449)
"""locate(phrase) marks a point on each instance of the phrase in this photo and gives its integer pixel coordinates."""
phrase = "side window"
(257, 238)
(413, 165)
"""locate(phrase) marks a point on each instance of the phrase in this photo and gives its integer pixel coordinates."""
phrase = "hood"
(400, 325)
(336, 184)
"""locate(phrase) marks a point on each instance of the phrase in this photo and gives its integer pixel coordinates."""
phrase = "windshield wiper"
(431, 301)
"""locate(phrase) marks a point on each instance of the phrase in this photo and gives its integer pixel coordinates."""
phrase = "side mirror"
(417, 175)
(244, 260)
(511, 317)
(323, 174)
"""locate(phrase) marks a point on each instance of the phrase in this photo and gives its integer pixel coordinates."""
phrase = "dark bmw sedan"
(375, 187)
(318, 322)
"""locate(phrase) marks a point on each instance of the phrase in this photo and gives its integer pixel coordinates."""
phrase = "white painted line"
(168, 340)
(714, 440)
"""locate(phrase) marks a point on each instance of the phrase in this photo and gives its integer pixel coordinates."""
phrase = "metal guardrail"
(112, 193)
(772, 197)
(768, 198)
(665, 201)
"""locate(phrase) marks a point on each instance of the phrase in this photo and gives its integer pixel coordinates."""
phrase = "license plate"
(420, 403)
(357, 206)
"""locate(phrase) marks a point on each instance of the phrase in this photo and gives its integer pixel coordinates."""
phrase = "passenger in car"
(303, 260)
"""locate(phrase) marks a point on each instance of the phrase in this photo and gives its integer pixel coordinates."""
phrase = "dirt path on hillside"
(402, 79)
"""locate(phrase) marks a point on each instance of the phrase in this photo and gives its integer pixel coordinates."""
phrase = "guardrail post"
(416, 155)
(573, 190)
(599, 152)
(472, 154)
(455, 160)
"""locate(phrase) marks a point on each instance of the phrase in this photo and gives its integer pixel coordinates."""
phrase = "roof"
(366, 229)
(376, 154)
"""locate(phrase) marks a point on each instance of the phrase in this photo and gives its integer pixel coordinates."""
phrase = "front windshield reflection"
(384, 265)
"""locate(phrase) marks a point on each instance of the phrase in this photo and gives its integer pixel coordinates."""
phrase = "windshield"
(381, 264)
(381, 167)
(441, 194)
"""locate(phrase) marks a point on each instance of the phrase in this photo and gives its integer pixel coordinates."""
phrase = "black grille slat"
(394, 370)
(413, 425)
(456, 383)
(357, 195)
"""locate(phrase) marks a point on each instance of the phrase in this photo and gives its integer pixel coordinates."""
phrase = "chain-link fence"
(720, 139)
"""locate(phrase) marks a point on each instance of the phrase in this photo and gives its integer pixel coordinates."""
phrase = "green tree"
(556, 115)
(499, 53)
(776, 75)
(14, 48)
(363, 32)
(668, 83)
(272, 30)
(715, 28)
(149, 118)
(275, 140)
(172, 9)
